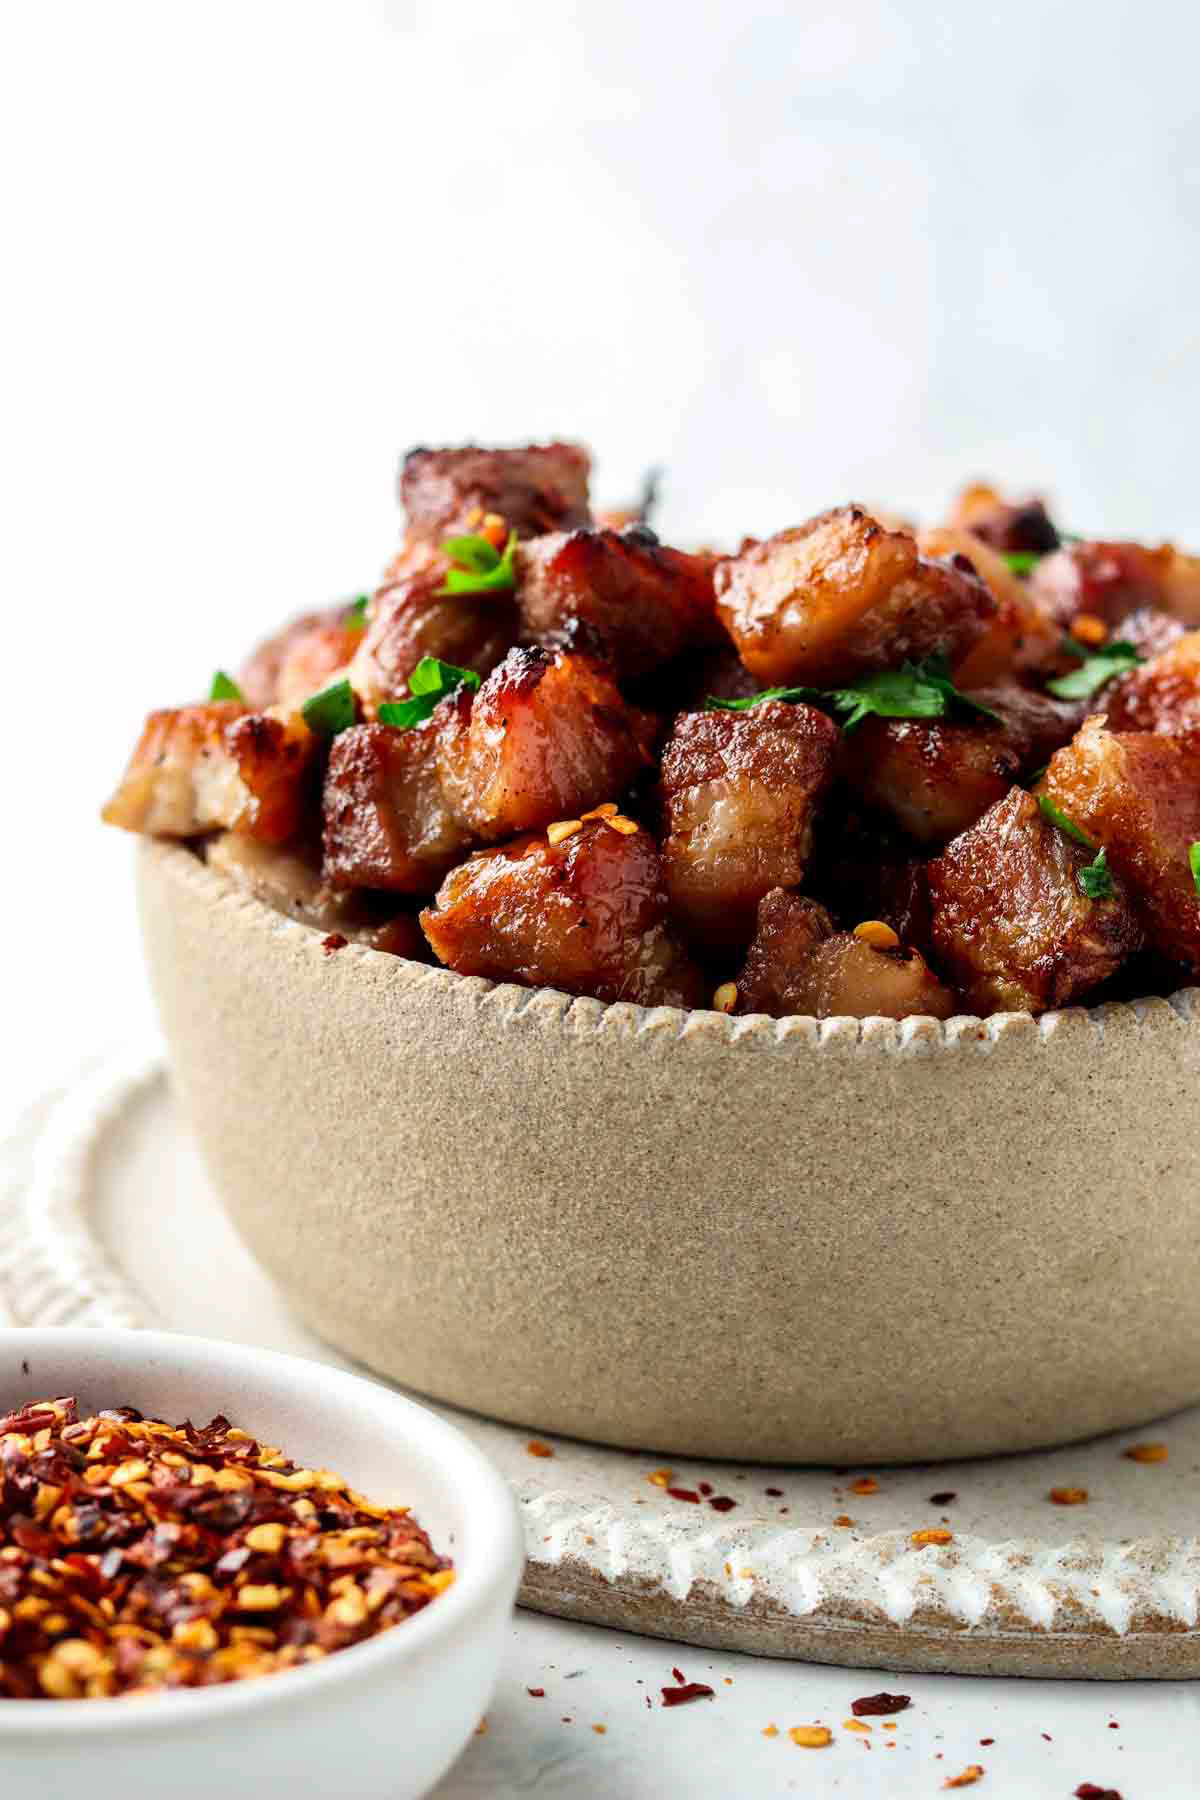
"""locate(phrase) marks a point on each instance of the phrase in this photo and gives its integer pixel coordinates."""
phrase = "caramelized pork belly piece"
(388, 823)
(587, 914)
(316, 657)
(199, 768)
(1162, 695)
(1020, 634)
(789, 927)
(934, 778)
(409, 618)
(1010, 922)
(290, 882)
(1007, 525)
(739, 794)
(829, 600)
(1109, 580)
(1138, 794)
(546, 737)
(534, 488)
(638, 601)
(796, 964)
(259, 676)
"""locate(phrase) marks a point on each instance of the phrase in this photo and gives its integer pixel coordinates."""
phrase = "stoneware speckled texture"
(789, 1241)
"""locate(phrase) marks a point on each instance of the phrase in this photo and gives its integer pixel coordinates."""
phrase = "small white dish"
(382, 1720)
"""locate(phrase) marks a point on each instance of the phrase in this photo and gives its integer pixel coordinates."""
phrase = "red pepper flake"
(536, 1693)
(876, 1705)
(1113, 1725)
(984, 1742)
(689, 1690)
(1146, 1453)
(599, 1730)
(919, 1539)
(970, 1775)
(773, 1493)
(1087, 1790)
(1069, 1496)
(684, 1494)
(335, 941)
(536, 1447)
(866, 1484)
(705, 1487)
(1047, 1737)
(943, 1498)
(722, 1503)
(843, 1519)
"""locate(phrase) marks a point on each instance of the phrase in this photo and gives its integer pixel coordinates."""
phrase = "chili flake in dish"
(853, 768)
(138, 1556)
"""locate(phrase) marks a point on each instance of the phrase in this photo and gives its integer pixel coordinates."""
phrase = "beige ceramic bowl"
(787, 1240)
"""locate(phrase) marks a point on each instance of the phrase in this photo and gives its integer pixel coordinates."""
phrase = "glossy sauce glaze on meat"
(853, 768)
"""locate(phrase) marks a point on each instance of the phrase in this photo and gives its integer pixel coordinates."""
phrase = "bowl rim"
(496, 1558)
(917, 1032)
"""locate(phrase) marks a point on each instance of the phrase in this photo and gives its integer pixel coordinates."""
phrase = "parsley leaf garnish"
(479, 567)
(1194, 865)
(1051, 812)
(429, 682)
(917, 691)
(1096, 880)
(1096, 668)
(330, 711)
(224, 687)
(356, 611)
(1022, 562)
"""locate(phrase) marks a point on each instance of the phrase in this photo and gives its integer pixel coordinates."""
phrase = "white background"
(796, 254)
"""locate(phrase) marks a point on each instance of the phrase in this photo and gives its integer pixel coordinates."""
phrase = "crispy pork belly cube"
(932, 778)
(409, 619)
(829, 600)
(259, 676)
(1163, 695)
(638, 601)
(535, 488)
(788, 929)
(1108, 581)
(388, 823)
(739, 793)
(1007, 525)
(199, 768)
(1020, 633)
(1010, 923)
(586, 914)
(796, 964)
(1138, 794)
(546, 737)
(316, 657)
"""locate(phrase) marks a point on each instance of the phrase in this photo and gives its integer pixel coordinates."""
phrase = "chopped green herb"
(479, 567)
(1194, 865)
(1022, 562)
(917, 691)
(224, 687)
(330, 711)
(429, 682)
(356, 611)
(1097, 667)
(1051, 812)
(1095, 879)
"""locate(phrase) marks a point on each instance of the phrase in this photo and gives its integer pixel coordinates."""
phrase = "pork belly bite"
(1020, 634)
(586, 914)
(1010, 921)
(409, 618)
(219, 765)
(1109, 580)
(1138, 794)
(798, 964)
(546, 737)
(1163, 695)
(636, 600)
(388, 823)
(260, 676)
(1007, 525)
(534, 488)
(739, 794)
(837, 597)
